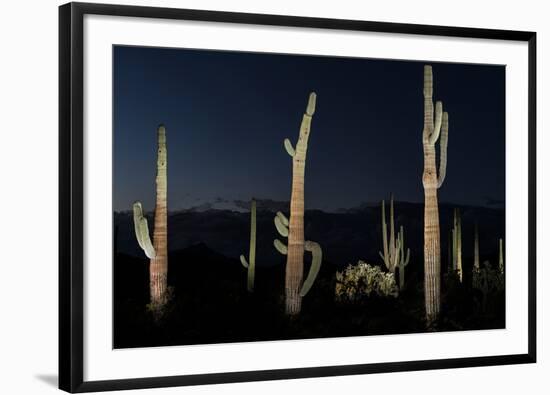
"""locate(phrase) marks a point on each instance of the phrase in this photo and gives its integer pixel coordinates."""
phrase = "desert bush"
(357, 282)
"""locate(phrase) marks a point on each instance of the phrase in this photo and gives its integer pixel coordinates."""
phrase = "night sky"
(227, 114)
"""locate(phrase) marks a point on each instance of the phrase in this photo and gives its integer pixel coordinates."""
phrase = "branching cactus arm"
(443, 142)
(142, 231)
(281, 227)
(244, 261)
(316, 259)
(281, 224)
(289, 148)
(280, 246)
(404, 261)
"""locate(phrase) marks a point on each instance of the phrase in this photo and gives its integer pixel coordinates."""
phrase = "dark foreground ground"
(210, 304)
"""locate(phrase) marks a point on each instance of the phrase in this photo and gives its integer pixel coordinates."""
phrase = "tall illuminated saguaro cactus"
(157, 251)
(251, 263)
(433, 130)
(294, 229)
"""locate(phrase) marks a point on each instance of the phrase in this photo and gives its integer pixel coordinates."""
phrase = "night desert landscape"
(261, 197)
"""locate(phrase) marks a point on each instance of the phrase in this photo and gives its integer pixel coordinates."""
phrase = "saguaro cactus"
(157, 251)
(433, 130)
(394, 249)
(294, 229)
(251, 263)
(457, 244)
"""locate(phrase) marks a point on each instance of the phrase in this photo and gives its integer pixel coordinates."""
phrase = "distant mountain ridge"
(345, 236)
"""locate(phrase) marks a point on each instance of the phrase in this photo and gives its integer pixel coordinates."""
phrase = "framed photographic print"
(256, 197)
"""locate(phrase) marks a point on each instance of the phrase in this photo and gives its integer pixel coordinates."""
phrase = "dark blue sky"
(227, 114)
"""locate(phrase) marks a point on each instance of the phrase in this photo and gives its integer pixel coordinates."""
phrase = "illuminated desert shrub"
(357, 282)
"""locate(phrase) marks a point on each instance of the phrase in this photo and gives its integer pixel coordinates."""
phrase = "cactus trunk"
(431, 182)
(296, 243)
(432, 258)
(158, 269)
(251, 263)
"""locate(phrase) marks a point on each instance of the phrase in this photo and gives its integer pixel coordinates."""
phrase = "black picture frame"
(71, 224)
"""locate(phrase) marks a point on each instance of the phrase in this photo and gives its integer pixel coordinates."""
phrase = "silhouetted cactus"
(431, 182)
(294, 229)
(158, 250)
(394, 247)
(251, 263)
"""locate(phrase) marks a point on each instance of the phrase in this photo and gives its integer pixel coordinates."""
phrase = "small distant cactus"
(357, 282)
(456, 235)
(394, 249)
(251, 263)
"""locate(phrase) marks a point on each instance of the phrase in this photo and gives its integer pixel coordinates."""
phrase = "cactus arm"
(397, 254)
(142, 231)
(310, 110)
(280, 246)
(404, 257)
(289, 148)
(437, 124)
(281, 228)
(244, 262)
(317, 257)
(406, 261)
(282, 217)
(443, 142)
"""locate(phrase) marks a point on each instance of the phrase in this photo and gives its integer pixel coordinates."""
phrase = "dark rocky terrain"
(210, 303)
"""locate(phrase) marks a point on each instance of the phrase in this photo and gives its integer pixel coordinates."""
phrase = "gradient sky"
(227, 114)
